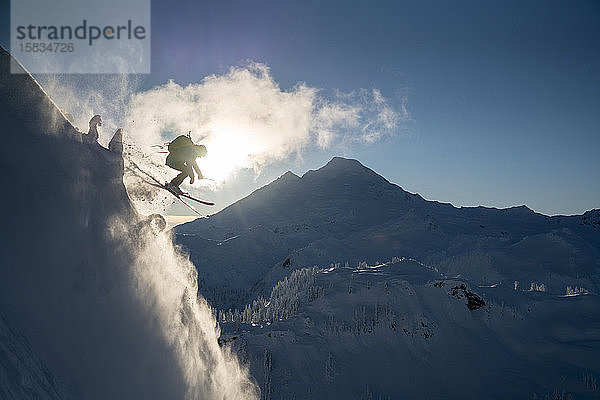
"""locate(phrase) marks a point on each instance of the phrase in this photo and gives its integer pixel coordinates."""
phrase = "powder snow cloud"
(248, 121)
(243, 116)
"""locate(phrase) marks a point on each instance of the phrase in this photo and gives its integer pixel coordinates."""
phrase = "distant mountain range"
(339, 284)
(346, 213)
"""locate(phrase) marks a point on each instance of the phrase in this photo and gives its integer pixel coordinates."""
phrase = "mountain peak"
(346, 169)
(341, 162)
(289, 176)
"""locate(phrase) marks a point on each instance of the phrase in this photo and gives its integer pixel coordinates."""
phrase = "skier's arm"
(197, 169)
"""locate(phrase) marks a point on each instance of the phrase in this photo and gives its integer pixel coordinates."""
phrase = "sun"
(227, 150)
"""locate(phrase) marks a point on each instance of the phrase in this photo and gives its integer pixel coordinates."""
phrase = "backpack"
(180, 142)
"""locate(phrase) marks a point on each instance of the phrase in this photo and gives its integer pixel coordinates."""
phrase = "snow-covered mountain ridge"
(474, 303)
(401, 329)
(345, 212)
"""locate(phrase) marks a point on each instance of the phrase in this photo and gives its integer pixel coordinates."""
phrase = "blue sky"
(504, 97)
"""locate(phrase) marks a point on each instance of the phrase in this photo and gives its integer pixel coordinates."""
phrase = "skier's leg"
(178, 179)
(186, 171)
(174, 162)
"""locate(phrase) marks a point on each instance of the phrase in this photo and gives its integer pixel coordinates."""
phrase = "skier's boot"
(173, 189)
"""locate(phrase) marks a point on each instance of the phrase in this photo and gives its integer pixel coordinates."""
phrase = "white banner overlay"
(81, 36)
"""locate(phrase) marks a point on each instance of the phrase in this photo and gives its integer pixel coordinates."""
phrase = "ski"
(189, 196)
(182, 194)
(158, 184)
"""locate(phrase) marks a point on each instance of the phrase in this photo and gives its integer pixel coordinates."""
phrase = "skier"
(182, 157)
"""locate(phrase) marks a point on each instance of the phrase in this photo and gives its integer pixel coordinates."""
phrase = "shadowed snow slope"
(94, 304)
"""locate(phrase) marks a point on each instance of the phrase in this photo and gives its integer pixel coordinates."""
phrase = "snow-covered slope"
(94, 302)
(475, 302)
(401, 330)
(345, 212)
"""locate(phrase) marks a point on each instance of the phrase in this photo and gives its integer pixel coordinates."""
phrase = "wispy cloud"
(248, 121)
(243, 116)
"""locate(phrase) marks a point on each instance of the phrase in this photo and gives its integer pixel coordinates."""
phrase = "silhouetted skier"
(182, 157)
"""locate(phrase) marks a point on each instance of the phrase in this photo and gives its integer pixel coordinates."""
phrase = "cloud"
(247, 120)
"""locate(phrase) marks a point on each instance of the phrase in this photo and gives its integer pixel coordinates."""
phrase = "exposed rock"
(473, 300)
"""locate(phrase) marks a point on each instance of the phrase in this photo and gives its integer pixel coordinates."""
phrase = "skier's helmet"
(200, 150)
